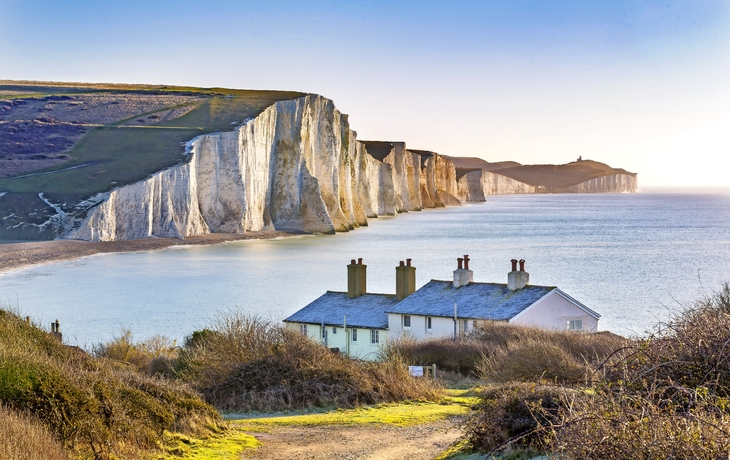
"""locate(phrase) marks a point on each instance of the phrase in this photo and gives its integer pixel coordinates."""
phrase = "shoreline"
(17, 255)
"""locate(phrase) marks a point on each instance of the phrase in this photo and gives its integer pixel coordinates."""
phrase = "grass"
(218, 447)
(23, 438)
(456, 403)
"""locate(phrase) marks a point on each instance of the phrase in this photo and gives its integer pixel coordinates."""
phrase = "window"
(406, 322)
(575, 324)
(428, 323)
(303, 329)
(374, 336)
(334, 330)
(354, 335)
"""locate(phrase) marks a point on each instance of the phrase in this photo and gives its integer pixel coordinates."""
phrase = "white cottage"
(452, 308)
(357, 323)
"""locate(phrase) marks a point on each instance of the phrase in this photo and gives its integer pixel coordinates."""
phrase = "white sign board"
(416, 371)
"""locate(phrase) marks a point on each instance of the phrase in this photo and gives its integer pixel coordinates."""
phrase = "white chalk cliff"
(295, 167)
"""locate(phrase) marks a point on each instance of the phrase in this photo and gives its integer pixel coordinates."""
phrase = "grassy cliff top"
(82, 138)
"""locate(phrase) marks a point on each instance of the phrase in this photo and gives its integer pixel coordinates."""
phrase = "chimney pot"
(402, 264)
(522, 265)
(352, 261)
(460, 262)
(514, 265)
(359, 261)
(466, 262)
(408, 262)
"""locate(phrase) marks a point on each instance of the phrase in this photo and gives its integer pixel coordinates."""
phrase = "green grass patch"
(457, 402)
(218, 447)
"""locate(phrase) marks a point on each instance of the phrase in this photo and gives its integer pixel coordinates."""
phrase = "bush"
(245, 363)
(461, 356)
(154, 356)
(94, 407)
(663, 397)
(509, 416)
(528, 354)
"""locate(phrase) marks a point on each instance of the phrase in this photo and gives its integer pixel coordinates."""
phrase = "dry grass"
(667, 396)
(527, 354)
(23, 438)
(500, 352)
(245, 363)
(153, 356)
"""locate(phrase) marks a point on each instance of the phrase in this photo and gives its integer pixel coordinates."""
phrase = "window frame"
(303, 328)
(407, 319)
(354, 334)
(429, 323)
(575, 322)
(374, 337)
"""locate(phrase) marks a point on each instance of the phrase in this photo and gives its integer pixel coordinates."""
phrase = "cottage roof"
(366, 311)
(475, 300)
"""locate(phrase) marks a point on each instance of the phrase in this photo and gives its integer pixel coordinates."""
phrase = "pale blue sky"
(643, 85)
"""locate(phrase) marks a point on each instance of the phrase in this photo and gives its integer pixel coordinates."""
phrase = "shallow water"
(632, 257)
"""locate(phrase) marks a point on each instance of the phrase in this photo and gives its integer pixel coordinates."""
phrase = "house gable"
(555, 310)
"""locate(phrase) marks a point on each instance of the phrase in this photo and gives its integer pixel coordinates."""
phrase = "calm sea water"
(634, 258)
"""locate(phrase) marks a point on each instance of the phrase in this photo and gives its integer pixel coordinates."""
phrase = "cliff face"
(477, 184)
(297, 166)
(614, 183)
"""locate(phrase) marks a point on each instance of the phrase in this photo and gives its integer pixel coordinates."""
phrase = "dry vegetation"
(94, 408)
(667, 396)
(245, 363)
(24, 438)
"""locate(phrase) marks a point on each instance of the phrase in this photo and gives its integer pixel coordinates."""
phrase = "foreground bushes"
(502, 352)
(245, 363)
(664, 397)
(93, 407)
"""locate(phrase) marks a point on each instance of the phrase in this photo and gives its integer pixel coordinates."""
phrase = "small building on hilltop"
(357, 323)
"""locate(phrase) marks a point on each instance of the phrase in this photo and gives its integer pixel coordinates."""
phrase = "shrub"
(529, 354)
(154, 356)
(246, 363)
(24, 438)
(510, 416)
(460, 356)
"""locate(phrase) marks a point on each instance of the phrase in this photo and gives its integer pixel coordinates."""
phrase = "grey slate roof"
(475, 300)
(366, 311)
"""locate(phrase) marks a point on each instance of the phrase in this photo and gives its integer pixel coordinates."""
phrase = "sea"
(636, 258)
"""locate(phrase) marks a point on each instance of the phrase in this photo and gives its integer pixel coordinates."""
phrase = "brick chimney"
(56, 330)
(356, 278)
(405, 280)
(462, 274)
(517, 279)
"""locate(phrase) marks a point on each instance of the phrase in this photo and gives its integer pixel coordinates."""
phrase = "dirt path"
(371, 442)
(18, 255)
